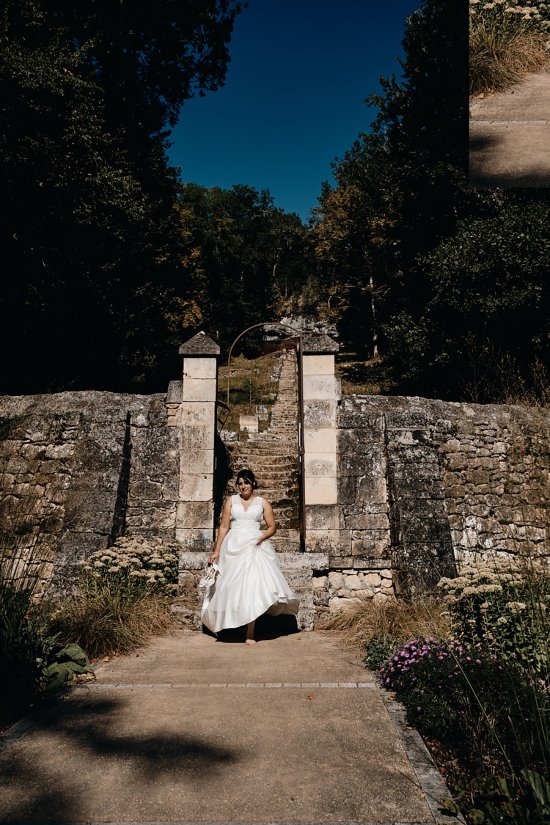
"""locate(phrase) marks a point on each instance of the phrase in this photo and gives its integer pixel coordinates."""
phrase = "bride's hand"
(213, 557)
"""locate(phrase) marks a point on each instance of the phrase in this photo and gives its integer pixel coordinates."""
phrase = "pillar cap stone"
(200, 344)
(314, 343)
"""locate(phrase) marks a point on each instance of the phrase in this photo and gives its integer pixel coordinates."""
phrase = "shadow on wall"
(222, 475)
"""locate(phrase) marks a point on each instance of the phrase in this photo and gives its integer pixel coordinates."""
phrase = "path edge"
(430, 780)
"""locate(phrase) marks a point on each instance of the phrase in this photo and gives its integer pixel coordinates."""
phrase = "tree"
(249, 257)
(445, 263)
(92, 244)
(490, 293)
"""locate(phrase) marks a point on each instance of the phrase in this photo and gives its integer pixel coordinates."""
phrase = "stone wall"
(78, 469)
(420, 485)
(423, 483)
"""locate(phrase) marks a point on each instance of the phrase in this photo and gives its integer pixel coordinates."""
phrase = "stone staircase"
(273, 457)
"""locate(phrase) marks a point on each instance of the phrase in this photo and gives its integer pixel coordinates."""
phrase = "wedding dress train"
(250, 582)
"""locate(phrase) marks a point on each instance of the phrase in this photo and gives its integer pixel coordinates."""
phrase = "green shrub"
(465, 698)
(378, 651)
(24, 650)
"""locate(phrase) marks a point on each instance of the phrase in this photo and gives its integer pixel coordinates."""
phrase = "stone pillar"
(321, 393)
(197, 421)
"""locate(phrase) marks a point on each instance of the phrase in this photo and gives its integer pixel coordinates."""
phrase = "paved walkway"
(191, 730)
(510, 135)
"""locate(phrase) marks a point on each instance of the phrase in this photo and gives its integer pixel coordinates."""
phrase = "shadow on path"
(82, 728)
(267, 627)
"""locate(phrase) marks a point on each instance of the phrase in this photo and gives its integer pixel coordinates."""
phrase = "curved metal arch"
(296, 334)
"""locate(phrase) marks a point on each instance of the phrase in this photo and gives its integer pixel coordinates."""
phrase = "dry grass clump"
(503, 48)
(106, 621)
(397, 621)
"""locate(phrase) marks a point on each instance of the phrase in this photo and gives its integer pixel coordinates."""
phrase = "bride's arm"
(222, 530)
(269, 519)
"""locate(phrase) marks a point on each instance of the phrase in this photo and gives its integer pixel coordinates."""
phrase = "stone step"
(280, 460)
(297, 569)
(283, 545)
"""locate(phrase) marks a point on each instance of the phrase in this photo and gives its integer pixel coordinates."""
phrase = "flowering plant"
(465, 697)
(503, 605)
(535, 12)
(134, 563)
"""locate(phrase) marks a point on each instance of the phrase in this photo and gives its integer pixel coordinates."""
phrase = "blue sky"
(294, 96)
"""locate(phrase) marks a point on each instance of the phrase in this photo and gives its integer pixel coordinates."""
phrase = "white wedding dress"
(250, 581)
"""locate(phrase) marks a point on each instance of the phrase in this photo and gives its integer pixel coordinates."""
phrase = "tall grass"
(393, 622)
(104, 621)
(24, 644)
(123, 598)
(504, 45)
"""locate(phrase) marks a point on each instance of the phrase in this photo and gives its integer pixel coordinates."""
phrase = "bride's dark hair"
(247, 475)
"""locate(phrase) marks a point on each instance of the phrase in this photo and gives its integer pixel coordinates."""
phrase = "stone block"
(318, 365)
(319, 414)
(359, 440)
(322, 541)
(320, 441)
(359, 464)
(200, 368)
(322, 517)
(160, 517)
(320, 465)
(199, 389)
(197, 438)
(322, 387)
(413, 487)
(336, 580)
(370, 489)
(352, 582)
(195, 463)
(144, 491)
(320, 490)
(407, 419)
(173, 394)
(359, 518)
(196, 414)
(249, 423)
(338, 561)
(195, 541)
(195, 514)
(371, 544)
(354, 415)
(196, 487)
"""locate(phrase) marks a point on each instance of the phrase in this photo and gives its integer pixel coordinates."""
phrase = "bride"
(250, 581)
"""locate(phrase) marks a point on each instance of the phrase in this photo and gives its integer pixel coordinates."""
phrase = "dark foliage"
(90, 244)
